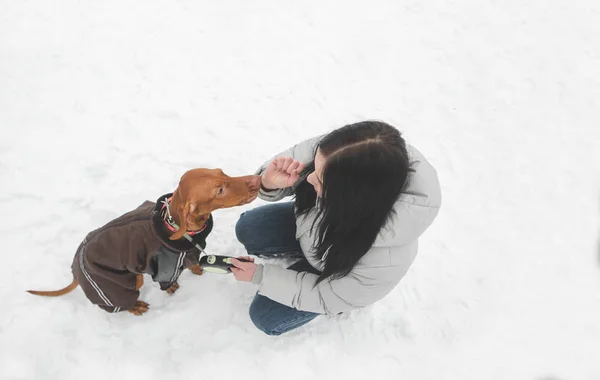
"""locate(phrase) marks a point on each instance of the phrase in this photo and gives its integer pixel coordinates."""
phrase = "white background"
(105, 104)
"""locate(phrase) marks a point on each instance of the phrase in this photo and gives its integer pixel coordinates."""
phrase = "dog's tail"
(55, 293)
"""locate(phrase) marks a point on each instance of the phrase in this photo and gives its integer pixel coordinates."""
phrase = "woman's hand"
(282, 172)
(243, 271)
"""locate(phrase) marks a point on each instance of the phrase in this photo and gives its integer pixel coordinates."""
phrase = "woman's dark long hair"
(364, 173)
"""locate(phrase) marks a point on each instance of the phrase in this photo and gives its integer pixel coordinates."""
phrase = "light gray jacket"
(380, 269)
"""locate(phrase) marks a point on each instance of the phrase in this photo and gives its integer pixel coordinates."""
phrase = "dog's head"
(201, 191)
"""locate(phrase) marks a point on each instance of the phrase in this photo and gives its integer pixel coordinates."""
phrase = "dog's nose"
(253, 182)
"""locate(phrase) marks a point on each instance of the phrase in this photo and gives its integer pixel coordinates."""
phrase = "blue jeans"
(270, 231)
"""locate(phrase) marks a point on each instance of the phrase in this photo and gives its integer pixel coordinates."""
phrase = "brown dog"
(110, 262)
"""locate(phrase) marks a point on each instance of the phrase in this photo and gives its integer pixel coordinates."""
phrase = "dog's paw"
(139, 308)
(196, 269)
(173, 288)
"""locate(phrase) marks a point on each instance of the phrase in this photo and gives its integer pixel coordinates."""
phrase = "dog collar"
(165, 213)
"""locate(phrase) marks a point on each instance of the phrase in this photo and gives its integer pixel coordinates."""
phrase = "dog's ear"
(181, 217)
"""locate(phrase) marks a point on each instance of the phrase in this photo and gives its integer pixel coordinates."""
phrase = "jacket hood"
(417, 206)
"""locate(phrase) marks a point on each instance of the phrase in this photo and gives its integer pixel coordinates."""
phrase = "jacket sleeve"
(303, 152)
(361, 287)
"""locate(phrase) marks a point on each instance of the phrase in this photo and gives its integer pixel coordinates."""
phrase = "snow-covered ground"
(105, 104)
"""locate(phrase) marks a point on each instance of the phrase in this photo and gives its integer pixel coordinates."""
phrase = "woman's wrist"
(266, 185)
(258, 274)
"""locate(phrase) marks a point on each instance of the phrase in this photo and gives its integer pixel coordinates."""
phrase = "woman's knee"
(273, 318)
(274, 219)
(249, 227)
(259, 315)
(243, 228)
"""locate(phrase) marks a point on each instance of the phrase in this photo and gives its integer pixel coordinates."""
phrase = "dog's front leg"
(173, 288)
(139, 308)
(196, 269)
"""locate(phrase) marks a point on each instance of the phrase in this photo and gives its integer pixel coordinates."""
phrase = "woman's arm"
(361, 287)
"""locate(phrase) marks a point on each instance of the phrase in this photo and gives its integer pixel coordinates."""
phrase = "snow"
(105, 104)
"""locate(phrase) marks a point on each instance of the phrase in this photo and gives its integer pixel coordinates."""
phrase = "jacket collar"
(180, 245)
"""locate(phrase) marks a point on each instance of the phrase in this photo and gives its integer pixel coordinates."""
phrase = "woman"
(362, 198)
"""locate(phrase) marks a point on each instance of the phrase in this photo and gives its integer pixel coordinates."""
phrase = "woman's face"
(316, 178)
